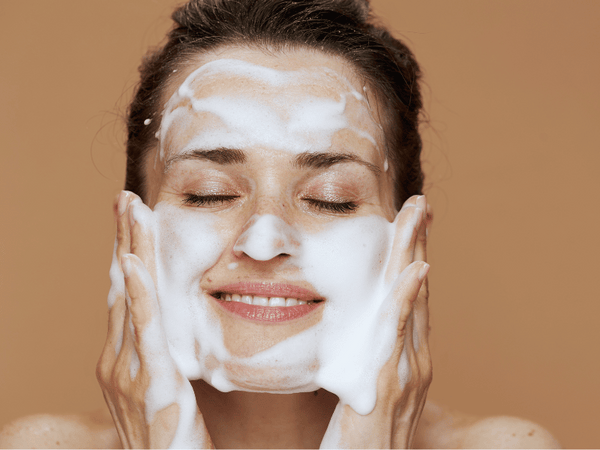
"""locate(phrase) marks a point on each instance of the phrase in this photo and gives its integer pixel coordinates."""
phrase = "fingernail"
(122, 205)
(423, 272)
(126, 265)
(420, 214)
(131, 215)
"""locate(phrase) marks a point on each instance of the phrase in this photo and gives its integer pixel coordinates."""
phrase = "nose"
(266, 237)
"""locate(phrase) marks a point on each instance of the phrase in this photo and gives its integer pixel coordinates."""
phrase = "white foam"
(345, 262)
(282, 122)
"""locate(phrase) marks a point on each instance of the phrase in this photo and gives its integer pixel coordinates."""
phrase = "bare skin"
(438, 428)
(136, 352)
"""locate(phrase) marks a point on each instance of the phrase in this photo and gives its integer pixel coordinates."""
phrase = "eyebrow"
(305, 160)
(324, 160)
(221, 156)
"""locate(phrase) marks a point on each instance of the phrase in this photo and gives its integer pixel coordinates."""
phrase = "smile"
(265, 301)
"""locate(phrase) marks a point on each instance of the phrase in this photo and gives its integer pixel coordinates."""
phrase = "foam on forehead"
(266, 75)
(293, 124)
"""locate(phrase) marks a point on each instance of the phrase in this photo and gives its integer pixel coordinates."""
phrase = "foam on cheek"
(297, 123)
(345, 352)
(187, 245)
(348, 265)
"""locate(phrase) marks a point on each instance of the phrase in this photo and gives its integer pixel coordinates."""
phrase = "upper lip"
(268, 289)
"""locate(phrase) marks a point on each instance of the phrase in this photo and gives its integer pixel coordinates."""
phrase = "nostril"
(266, 237)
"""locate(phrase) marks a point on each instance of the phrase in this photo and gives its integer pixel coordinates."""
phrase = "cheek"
(344, 261)
(188, 244)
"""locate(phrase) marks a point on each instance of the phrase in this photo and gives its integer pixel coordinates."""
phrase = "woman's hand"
(404, 379)
(151, 403)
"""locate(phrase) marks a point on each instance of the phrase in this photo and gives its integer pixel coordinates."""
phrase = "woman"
(271, 247)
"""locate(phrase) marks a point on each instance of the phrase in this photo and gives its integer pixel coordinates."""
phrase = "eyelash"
(332, 207)
(208, 200)
(216, 200)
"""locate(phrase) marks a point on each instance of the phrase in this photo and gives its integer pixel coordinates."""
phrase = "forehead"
(297, 101)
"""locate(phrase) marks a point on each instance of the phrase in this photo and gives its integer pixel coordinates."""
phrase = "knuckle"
(103, 369)
(101, 374)
(122, 234)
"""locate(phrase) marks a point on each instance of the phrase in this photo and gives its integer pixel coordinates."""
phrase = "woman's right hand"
(152, 404)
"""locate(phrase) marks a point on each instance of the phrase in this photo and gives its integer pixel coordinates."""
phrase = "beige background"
(512, 153)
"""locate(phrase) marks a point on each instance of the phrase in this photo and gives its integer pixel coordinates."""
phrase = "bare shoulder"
(443, 428)
(89, 430)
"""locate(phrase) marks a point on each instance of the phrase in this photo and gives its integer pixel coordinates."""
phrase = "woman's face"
(272, 201)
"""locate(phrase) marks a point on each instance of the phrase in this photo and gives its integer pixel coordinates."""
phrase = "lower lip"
(271, 314)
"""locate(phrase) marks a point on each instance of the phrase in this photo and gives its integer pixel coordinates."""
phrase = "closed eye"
(208, 200)
(332, 207)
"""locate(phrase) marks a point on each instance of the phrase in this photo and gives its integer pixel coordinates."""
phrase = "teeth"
(277, 301)
(260, 301)
(264, 301)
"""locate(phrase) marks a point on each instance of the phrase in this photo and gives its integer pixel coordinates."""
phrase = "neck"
(253, 420)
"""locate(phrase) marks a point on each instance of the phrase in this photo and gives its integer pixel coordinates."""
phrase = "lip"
(269, 314)
(269, 289)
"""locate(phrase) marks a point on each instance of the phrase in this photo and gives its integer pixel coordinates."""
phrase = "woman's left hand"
(404, 379)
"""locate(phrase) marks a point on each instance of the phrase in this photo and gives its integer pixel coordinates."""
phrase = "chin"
(238, 376)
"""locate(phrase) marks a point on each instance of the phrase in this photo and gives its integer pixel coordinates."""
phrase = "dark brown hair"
(339, 27)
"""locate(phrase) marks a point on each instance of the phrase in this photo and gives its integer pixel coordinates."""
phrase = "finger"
(421, 326)
(116, 295)
(421, 323)
(142, 234)
(116, 311)
(123, 234)
(407, 224)
(414, 384)
(405, 367)
(116, 299)
(421, 307)
(406, 290)
(421, 243)
(411, 201)
(123, 372)
(149, 337)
